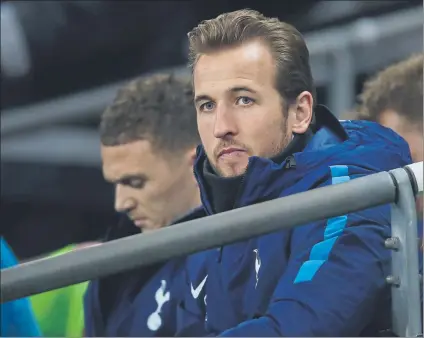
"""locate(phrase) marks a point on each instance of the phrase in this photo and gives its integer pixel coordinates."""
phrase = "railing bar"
(197, 235)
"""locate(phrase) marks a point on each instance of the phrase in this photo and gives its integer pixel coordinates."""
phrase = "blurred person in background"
(148, 144)
(394, 98)
(264, 137)
(349, 115)
(60, 312)
(17, 317)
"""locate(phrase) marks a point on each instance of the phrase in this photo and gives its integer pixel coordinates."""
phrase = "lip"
(139, 222)
(228, 151)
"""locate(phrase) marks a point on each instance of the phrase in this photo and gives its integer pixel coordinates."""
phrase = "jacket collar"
(265, 179)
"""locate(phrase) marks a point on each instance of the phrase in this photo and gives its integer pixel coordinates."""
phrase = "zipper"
(221, 248)
(201, 188)
(239, 193)
(290, 162)
(206, 206)
(242, 181)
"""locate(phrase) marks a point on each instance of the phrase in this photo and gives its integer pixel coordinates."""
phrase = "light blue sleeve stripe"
(335, 226)
(320, 251)
(307, 270)
(339, 170)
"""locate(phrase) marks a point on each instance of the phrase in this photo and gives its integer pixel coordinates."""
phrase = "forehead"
(137, 157)
(248, 64)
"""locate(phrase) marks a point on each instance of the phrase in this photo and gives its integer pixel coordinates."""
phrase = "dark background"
(77, 46)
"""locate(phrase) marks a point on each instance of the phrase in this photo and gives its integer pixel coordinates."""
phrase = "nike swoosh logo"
(195, 292)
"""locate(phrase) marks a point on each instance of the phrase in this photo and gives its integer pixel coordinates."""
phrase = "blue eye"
(207, 106)
(245, 101)
(137, 183)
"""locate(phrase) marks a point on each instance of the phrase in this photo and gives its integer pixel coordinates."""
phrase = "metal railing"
(397, 187)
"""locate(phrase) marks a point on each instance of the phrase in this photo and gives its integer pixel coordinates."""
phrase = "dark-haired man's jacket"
(138, 303)
(325, 278)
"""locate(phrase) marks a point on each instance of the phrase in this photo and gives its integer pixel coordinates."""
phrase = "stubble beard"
(276, 148)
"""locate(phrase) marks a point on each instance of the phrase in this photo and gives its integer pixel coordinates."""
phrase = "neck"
(222, 192)
(196, 201)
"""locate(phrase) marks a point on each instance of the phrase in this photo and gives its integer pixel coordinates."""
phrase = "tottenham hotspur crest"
(154, 322)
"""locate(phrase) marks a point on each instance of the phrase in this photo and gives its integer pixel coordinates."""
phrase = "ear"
(302, 112)
(191, 156)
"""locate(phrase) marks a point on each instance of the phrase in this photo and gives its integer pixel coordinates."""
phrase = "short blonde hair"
(399, 88)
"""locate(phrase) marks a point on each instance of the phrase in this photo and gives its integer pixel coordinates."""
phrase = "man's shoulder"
(367, 144)
(374, 135)
(193, 214)
(370, 148)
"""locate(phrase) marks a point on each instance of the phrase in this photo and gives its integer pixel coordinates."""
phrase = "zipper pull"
(219, 258)
(290, 162)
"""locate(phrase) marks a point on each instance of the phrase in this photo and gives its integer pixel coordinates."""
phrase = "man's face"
(239, 110)
(412, 134)
(152, 188)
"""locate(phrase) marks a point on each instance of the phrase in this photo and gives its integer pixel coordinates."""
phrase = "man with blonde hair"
(148, 141)
(263, 137)
(394, 98)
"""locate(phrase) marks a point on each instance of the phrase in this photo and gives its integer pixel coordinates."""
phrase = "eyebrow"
(242, 89)
(199, 98)
(127, 178)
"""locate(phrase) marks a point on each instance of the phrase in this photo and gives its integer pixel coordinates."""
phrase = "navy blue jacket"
(138, 303)
(325, 278)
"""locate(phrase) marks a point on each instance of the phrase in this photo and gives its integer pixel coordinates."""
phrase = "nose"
(225, 124)
(123, 201)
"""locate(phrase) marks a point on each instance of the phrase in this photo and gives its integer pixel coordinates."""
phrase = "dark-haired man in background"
(148, 140)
